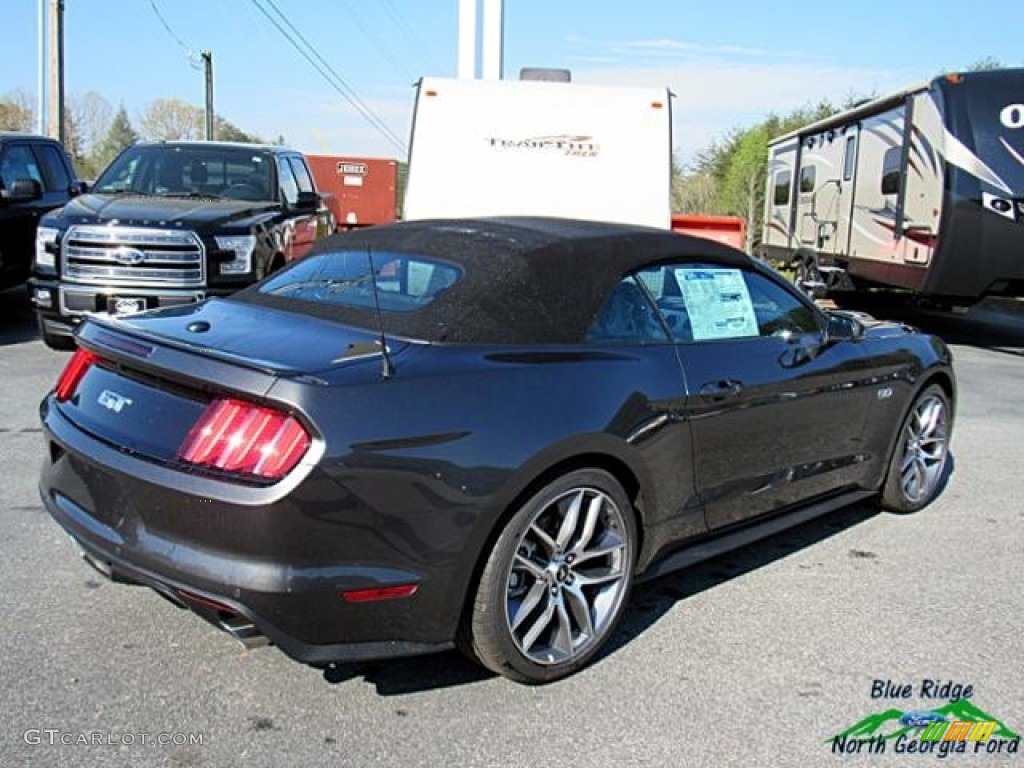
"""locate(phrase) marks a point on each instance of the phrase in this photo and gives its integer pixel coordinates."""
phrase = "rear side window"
(402, 282)
(302, 177)
(56, 173)
(289, 186)
(807, 178)
(891, 171)
(780, 195)
(849, 157)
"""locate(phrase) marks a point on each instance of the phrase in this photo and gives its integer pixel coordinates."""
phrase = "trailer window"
(891, 171)
(807, 176)
(781, 194)
(849, 157)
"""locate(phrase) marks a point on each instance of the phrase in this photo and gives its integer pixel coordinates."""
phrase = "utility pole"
(467, 51)
(208, 67)
(41, 74)
(493, 40)
(56, 65)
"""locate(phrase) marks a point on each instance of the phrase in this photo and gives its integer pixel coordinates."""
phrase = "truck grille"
(136, 256)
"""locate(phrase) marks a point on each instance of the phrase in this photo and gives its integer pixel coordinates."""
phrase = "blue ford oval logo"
(129, 256)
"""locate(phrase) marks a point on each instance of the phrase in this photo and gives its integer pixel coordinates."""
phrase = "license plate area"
(126, 305)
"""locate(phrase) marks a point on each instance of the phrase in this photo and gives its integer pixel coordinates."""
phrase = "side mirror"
(79, 188)
(307, 201)
(843, 327)
(25, 189)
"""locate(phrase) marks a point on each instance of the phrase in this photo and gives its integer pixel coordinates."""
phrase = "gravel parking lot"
(757, 658)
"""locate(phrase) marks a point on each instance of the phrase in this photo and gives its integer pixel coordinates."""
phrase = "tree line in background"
(726, 178)
(729, 177)
(95, 132)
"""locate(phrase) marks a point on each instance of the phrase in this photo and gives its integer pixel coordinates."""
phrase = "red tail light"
(246, 439)
(73, 373)
(380, 593)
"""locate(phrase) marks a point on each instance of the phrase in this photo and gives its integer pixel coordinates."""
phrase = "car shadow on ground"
(17, 323)
(649, 602)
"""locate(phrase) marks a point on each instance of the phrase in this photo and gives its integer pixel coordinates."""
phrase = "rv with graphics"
(922, 190)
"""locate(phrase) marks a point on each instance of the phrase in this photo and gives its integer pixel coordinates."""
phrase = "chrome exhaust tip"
(244, 631)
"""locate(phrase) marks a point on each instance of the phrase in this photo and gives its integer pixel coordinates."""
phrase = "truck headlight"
(242, 246)
(46, 236)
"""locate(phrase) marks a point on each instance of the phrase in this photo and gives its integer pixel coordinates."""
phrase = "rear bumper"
(288, 592)
(238, 619)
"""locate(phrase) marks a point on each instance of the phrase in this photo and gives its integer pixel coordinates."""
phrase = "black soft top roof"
(526, 280)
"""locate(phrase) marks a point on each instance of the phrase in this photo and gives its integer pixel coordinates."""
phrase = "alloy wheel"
(925, 444)
(568, 577)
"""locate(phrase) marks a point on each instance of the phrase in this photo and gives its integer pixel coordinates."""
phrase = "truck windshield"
(198, 171)
(987, 114)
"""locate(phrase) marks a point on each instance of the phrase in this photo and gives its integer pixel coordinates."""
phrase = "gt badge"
(113, 401)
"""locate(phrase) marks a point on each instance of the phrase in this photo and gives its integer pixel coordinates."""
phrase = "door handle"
(719, 390)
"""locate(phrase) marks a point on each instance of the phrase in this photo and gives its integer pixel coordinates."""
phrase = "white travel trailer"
(921, 190)
(540, 148)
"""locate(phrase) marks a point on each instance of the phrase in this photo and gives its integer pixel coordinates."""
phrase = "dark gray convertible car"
(477, 432)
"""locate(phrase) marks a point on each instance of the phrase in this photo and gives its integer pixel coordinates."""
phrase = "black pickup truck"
(36, 176)
(169, 223)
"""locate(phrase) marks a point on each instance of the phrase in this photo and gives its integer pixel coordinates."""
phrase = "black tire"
(917, 467)
(564, 564)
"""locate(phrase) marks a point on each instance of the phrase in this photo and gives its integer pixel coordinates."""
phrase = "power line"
(310, 54)
(190, 54)
(369, 34)
(404, 27)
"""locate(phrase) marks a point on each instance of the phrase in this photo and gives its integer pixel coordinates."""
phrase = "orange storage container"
(359, 191)
(731, 230)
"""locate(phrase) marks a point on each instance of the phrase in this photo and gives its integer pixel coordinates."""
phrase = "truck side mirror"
(307, 201)
(24, 190)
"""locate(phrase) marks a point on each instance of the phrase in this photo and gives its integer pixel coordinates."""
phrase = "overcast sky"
(729, 63)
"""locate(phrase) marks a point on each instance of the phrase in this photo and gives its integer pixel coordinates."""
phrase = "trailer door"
(845, 189)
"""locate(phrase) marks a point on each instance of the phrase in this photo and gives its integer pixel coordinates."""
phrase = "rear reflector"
(73, 373)
(380, 593)
(245, 439)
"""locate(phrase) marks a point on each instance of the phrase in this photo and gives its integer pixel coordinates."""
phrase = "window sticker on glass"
(718, 303)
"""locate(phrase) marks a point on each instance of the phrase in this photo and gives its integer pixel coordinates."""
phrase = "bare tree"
(172, 119)
(91, 114)
(694, 192)
(16, 112)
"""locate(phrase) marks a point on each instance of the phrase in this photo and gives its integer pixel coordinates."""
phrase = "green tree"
(729, 176)
(984, 63)
(225, 130)
(120, 136)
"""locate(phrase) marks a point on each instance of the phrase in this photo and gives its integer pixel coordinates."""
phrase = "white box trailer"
(920, 190)
(524, 147)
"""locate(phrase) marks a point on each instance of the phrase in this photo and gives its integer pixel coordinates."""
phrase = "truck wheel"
(918, 463)
(55, 340)
(556, 581)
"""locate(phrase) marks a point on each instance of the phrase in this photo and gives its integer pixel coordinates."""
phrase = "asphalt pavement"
(754, 659)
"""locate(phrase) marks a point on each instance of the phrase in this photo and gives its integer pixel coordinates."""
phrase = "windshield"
(404, 282)
(191, 171)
